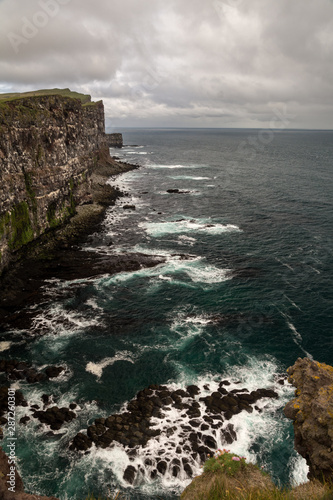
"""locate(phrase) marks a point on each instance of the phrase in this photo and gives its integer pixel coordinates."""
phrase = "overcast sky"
(178, 63)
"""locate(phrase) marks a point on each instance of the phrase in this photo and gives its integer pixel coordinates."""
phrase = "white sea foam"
(97, 368)
(5, 345)
(297, 338)
(176, 271)
(157, 229)
(57, 320)
(284, 264)
(173, 166)
(186, 239)
(197, 271)
(93, 304)
(188, 177)
(200, 320)
(298, 470)
(264, 425)
(292, 302)
(137, 153)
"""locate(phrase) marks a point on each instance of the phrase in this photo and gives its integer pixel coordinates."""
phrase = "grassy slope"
(84, 98)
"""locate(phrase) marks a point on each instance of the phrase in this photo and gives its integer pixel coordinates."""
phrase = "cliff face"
(47, 152)
(312, 414)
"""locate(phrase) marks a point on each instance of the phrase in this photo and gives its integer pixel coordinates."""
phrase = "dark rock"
(175, 470)
(162, 467)
(216, 395)
(45, 399)
(55, 417)
(193, 390)
(81, 442)
(188, 470)
(181, 393)
(129, 207)
(210, 442)
(228, 434)
(129, 474)
(224, 382)
(24, 420)
(54, 371)
(194, 423)
(153, 474)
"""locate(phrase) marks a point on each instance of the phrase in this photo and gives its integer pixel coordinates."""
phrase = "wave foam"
(97, 368)
(5, 345)
(171, 445)
(157, 229)
(188, 177)
(154, 165)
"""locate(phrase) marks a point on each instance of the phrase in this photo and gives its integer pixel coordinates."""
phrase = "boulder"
(129, 474)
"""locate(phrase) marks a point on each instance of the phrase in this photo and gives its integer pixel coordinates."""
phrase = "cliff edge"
(48, 148)
(312, 415)
(15, 492)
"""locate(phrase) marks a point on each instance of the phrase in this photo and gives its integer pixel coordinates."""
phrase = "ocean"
(244, 221)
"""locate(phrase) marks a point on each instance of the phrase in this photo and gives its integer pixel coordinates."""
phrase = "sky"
(177, 63)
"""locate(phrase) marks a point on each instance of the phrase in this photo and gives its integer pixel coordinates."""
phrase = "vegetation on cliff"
(84, 98)
(312, 415)
(49, 141)
(227, 476)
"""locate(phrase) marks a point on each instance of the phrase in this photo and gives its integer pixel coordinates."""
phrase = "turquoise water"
(253, 294)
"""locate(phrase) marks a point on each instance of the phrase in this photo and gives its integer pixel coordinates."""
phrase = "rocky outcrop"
(114, 140)
(201, 423)
(48, 149)
(312, 414)
(17, 489)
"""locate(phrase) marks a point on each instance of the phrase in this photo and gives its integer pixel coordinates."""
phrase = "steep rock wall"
(312, 414)
(47, 152)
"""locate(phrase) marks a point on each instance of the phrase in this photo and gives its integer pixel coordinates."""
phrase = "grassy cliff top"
(84, 98)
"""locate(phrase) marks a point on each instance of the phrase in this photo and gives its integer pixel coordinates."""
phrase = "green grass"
(227, 476)
(225, 461)
(84, 98)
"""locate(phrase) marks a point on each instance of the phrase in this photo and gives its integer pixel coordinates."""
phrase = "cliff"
(312, 415)
(48, 146)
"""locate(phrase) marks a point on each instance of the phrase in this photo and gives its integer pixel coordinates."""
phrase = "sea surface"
(253, 218)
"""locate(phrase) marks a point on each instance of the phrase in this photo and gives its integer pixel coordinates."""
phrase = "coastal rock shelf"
(200, 426)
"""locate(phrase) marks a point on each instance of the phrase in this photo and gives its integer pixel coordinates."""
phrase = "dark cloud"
(180, 62)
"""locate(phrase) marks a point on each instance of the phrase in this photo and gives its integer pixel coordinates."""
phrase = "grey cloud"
(177, 62)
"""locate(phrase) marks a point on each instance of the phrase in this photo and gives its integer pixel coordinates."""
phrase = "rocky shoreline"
(202, 418)
(57, 254)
